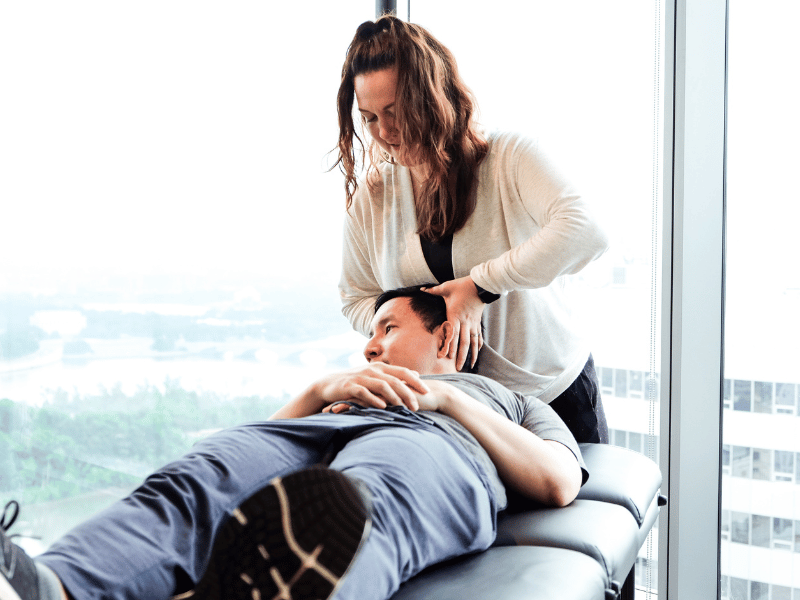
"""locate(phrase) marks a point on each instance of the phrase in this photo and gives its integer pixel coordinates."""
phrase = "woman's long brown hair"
(434, 110)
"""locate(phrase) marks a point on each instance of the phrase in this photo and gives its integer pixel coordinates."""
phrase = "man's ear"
(446, 334)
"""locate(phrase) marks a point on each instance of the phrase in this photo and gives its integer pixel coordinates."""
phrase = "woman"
(484, 214)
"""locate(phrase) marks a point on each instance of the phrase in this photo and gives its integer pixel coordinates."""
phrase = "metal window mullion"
(385, 6)
(692, 302)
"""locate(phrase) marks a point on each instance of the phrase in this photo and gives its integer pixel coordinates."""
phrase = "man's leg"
(294, 539)
(158, 541)
(428, 504)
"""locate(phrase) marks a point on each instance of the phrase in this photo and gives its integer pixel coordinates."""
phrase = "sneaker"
(19, 580)
(294, 539)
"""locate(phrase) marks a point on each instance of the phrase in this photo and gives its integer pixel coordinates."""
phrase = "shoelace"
(7, 520)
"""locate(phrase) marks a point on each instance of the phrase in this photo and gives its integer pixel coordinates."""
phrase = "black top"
(439, 256)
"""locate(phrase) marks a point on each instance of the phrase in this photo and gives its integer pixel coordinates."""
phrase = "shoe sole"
(295, 538)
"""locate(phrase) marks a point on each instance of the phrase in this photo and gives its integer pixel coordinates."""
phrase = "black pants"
(581, 407)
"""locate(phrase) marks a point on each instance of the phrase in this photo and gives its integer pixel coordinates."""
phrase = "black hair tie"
(370, 28)
(366, 30)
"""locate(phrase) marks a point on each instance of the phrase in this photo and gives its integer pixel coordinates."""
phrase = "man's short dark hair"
(431, 309)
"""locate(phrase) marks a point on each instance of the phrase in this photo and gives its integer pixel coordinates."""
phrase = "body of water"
(228, 369)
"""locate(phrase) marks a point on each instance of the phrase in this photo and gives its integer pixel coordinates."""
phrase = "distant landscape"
(73, 442)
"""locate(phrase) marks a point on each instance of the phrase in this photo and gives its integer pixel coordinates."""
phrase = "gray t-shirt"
(527, 411)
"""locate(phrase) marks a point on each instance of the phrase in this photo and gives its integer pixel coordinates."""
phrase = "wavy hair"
(434, 110)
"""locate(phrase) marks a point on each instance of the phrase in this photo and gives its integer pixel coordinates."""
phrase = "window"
(761, 531)
(740, 527)
(606, 377)
(739, 589)
(762, 396)
(636, 384)
(726, 394)
(759, 590)
(742, 395)
(759, 360)
(725, 524)
(785, 398)
(797, 467)
(621, 383)
(580, 77)
(797, 536)
(784, 466)
(741, 465)
(635, 442)
(152, 283)
(762, 465)
(782, 533)
(619, 437)
(780, 592)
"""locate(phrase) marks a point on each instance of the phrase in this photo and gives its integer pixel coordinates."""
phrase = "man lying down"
(353, 487)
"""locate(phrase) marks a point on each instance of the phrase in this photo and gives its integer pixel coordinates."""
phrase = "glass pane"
(762, 279)
(740, 527)
(739, 589)
(726, 456)
(759, 590)
(169, 239)
(762, 396)
(797, 536)
(579, 78)
(762, 464)
(780, 592)
(635, 441)
(785, 394)
(619, 438)
(635, 384)
(725, 524)
(741, 465)
(761, 531)
(797, 467)
(621, 383)
(742, 395)
(782, 533)
(784, 465)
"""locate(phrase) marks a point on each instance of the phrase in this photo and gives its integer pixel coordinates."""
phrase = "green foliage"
(74, 445)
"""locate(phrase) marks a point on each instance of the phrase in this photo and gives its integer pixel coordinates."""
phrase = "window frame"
(693, 296)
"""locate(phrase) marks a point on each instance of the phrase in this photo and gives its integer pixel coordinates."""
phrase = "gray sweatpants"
(431, 502)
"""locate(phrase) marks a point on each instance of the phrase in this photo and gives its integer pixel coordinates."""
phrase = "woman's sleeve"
(358, 286)
(568, 238)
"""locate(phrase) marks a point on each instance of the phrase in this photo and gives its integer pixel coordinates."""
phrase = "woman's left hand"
(464, 311)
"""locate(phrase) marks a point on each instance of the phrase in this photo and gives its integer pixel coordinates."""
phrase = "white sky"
(170, 136)
(176, 136)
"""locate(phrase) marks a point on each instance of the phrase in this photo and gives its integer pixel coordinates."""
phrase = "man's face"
(399, 337)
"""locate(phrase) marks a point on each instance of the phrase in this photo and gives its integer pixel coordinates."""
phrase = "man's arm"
(377, 385)
(541, 469)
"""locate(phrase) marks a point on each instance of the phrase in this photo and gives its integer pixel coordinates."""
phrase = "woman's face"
(375, 96)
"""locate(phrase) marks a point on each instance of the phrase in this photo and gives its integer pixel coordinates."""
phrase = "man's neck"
(444, 367)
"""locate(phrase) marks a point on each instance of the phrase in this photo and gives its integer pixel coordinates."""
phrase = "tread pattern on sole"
(294, 539)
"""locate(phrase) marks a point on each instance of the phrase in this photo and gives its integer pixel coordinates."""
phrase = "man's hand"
(375, 385)
(438, 398)
(464, 311)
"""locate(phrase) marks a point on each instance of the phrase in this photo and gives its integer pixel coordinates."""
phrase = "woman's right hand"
(464, 311)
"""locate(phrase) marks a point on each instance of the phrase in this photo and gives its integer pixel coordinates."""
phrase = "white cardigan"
(529, 228)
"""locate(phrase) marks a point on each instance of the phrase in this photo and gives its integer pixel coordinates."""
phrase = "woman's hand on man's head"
(464, 311)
